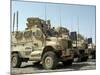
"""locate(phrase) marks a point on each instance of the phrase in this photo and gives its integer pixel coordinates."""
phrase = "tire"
(15, 61)
(68, 62)
(49, 60)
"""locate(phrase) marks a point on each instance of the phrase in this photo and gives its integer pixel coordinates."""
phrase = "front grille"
(63, 43)
(66, 43)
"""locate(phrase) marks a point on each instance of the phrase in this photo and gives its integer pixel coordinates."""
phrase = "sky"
(73, 17)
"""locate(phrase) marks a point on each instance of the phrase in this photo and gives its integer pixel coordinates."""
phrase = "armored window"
(19, 35)
(27, 34)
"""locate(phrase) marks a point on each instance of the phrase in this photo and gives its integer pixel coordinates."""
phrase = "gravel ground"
(30, 68)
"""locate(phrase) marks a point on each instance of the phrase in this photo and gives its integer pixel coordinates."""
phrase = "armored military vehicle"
(79, 43)
(39, 42)
(80, 46)
(92, 48)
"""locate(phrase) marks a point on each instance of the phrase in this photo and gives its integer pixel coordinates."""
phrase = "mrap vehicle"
(79, 43)
(92, 48)
(40, 43)
(80, 46)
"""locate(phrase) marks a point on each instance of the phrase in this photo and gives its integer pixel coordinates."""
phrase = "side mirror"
(73, 36)
(27, 34)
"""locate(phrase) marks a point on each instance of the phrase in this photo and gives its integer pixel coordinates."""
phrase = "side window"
(19, 35)
(28, 34)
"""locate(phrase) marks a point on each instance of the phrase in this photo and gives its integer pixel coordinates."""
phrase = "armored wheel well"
(21, 58)
(15, 52)
(50, 48)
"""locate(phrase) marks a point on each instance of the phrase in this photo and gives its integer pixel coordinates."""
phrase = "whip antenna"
(17, 21)
(45, 14)
(77, 31)
(60, 15)
(13, 21)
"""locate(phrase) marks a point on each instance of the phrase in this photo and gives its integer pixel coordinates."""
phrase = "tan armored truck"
(40, 43)
(80, 46)
(79, 43)
(91, 48)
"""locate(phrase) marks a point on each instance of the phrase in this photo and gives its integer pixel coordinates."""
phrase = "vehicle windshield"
(48, 31)
(51, 32)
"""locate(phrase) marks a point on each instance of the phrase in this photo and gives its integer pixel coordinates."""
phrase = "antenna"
(13, 21)
(77, 30)
(91, 31)
(78, 24)
(60, 18)
(91, 35)
(45, 21)
(60, 15)
(71, 25)
(45, 13)
(17, 21)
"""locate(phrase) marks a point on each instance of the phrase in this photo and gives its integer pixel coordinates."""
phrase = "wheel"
(15, 61)
(49, 60)
(68, 62)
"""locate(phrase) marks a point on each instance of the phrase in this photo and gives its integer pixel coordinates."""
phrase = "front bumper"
(67, 54)
(81, 52)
